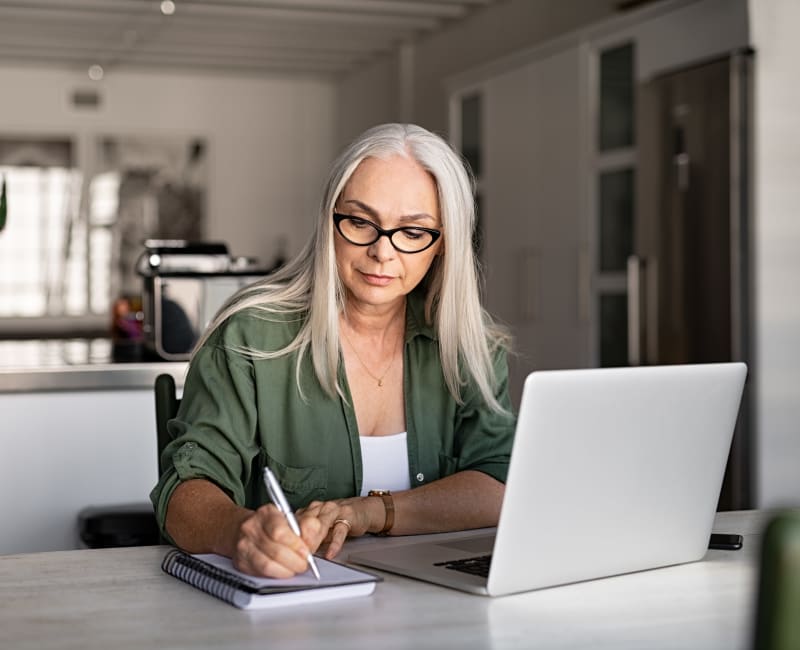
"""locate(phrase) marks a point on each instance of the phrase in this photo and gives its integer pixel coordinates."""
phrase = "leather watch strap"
(388, 504)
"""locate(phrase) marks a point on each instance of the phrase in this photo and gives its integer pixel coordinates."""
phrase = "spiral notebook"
(216, 575)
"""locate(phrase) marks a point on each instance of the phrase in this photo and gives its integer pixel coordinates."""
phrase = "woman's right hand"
(201, 518)
(265, 545)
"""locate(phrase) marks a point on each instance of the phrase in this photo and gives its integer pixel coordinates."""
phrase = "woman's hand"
(265, 545)
(344, 518)
(201, 518)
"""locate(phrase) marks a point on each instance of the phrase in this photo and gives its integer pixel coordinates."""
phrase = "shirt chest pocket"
(301, 485)
(447, 465)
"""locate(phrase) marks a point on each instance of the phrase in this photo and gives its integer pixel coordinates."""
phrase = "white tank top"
(384, 460)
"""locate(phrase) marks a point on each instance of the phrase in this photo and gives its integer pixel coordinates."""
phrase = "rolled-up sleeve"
(483, 438)
(214, 432)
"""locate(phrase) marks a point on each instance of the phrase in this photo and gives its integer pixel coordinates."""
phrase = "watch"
(388, 504)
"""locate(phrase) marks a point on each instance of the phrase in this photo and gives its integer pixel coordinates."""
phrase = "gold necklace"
(364, 365)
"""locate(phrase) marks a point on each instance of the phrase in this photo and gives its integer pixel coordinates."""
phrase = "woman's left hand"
(464, 500)
(344, 518)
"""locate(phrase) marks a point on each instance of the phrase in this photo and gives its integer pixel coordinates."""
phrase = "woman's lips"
(377, 280)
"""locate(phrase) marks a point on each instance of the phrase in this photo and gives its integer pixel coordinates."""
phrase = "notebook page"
(331, 573)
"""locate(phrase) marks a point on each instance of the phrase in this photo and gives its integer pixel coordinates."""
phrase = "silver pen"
(277, 497)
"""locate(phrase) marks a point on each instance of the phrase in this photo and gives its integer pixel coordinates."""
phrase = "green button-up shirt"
(239, 414)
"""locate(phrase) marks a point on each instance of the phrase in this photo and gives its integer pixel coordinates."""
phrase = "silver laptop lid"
(614, 470)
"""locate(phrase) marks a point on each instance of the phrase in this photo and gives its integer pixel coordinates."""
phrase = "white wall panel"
(774, 26)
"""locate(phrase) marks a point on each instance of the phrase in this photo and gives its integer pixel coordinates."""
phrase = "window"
(75, 226)
(43, 247)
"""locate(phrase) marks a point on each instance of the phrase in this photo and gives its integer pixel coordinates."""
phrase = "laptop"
(613, 470)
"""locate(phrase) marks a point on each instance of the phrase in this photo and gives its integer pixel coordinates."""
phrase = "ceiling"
(306, 37)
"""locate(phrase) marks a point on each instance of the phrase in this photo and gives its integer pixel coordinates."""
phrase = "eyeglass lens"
(362, 232)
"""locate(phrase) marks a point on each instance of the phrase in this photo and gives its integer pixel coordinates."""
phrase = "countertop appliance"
(184, 285)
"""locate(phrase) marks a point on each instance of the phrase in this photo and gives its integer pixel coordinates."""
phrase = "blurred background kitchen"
(637, 165)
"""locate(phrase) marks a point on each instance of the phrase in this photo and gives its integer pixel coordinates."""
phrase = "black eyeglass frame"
(380, 232)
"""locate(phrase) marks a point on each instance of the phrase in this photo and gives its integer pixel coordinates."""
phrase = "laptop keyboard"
(477, 566)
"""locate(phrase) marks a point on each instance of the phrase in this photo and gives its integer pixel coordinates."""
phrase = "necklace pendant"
(380, 383)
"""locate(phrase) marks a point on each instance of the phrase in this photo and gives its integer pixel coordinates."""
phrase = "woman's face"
(390, 193)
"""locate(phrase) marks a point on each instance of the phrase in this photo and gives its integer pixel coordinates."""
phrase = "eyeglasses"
(408, 239)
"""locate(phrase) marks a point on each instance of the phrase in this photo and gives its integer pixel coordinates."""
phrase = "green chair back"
(778, 610)
(167, 404)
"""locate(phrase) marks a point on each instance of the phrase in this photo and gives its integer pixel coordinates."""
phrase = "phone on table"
(725, 541)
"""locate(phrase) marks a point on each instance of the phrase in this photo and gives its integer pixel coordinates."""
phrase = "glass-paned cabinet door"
(616, 202)
(616, 119)
(614, 183)
(471, 148)
(477, 236)
(613, 329)
(471, 144)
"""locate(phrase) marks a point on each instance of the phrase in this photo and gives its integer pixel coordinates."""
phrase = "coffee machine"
(184, 285)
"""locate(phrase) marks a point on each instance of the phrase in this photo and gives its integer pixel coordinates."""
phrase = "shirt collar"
(415, 317)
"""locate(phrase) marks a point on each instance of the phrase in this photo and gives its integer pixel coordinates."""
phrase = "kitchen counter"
(76, 365)
(83, 424)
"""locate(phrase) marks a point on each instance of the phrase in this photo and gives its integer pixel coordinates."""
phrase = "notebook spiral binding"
(203, 576)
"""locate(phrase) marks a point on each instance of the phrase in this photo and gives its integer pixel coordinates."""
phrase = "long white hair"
(309, 285)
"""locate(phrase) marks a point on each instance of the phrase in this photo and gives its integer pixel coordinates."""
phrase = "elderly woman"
(365, 374)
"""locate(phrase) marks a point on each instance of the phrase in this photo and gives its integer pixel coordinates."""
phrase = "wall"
(489, 33)
(270, 140)
(367, 97)
(774, 27)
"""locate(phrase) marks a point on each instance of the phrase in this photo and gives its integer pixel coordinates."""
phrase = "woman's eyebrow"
(363, 206)
(372, 212)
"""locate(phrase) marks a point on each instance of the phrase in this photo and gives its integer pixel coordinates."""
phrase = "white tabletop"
(120, 599)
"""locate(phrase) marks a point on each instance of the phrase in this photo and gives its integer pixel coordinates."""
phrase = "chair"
(167, 404)
(132, 524)
(777, 624)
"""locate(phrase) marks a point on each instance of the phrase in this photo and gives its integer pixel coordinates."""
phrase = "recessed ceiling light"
(167, 7)
(96, 72)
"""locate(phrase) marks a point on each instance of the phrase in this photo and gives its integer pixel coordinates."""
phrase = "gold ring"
(345, 522)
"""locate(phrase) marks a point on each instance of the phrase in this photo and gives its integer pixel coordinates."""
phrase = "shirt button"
(420, 477)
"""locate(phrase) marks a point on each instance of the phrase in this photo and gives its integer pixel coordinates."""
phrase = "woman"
(367, 364)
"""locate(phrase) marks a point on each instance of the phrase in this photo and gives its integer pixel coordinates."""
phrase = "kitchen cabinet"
(73, 436)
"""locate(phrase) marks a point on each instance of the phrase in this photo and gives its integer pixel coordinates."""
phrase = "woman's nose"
(381, 250)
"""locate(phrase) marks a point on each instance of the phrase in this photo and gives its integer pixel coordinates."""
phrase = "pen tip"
(313, 566)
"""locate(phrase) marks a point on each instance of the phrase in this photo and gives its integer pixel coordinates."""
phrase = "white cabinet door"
(534, 232)
(63, 451)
